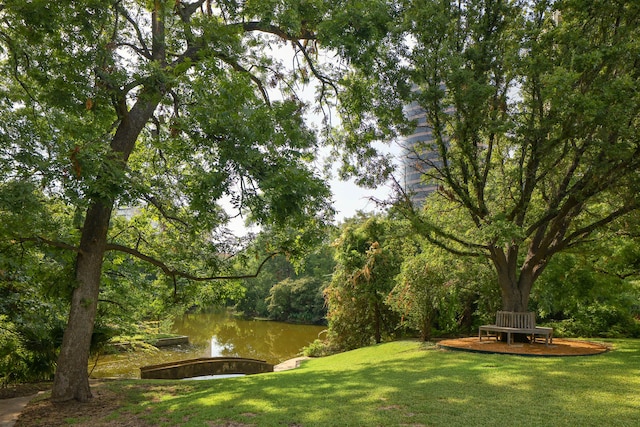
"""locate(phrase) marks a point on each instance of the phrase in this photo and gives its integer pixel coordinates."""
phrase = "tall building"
(417, 155)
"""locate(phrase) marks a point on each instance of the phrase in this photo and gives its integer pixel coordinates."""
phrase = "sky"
(349, 198)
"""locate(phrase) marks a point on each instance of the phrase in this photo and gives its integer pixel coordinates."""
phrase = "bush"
(423, 292)
(318, 348)
(578, 299)
(598, 320)
(28, 353)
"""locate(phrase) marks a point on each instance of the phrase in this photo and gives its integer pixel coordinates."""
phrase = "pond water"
(212, 335)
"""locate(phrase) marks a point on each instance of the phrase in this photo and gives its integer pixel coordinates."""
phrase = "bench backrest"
(515, 319)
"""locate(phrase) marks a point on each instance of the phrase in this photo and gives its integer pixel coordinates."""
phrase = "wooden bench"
(513, 322)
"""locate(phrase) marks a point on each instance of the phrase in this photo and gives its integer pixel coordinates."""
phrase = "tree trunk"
(515, 295)
(515, 281)
(71, 378)
(427, 321)
(377, 321)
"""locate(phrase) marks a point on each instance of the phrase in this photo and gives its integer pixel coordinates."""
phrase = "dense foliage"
(532, 116)
(594, 292)
(289, 292)
(297, 300)
(427, 291)
(367, 260)
(424, 292)
(179, 110)
(132, 132)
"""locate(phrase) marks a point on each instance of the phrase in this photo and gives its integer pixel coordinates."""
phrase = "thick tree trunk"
(515, 295)
(516, 282)
(71, 378)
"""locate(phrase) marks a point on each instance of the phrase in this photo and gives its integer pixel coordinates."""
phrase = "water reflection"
(216, 334)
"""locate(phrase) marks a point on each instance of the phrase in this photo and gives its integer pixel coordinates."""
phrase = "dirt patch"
(559, 347)
(95, 413)
(20, 390)
(228, 424)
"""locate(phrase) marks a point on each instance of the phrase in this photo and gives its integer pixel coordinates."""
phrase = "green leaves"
(293, 16)
(424, 287)
(367, 262)
(532, 115)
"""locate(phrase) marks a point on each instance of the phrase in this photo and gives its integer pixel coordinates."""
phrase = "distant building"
(127, 212)
(417, 155)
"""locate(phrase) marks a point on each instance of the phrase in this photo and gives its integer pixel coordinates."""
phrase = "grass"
(405, 383)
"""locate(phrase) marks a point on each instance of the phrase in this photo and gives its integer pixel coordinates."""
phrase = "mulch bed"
(559, 347)
(94, 413)
(19, 390)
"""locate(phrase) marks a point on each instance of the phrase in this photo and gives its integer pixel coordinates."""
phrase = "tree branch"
(145, 49)
(153, 201)
(236, 66)
(177, 273)
(277, 31)
(406, 208)
(53, 243)
(572, 238)
(314, 70)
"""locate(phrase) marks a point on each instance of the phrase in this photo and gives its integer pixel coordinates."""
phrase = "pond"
(211, 335)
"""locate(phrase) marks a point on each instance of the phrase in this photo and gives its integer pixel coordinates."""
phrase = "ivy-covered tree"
(168, 107)
(533, 113)
(368, 259)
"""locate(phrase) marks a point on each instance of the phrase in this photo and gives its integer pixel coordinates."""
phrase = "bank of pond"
(211, 334)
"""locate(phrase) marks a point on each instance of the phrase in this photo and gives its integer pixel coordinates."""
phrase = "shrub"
(318, 348)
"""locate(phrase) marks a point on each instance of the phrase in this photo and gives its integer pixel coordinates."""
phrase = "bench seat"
(510, 322)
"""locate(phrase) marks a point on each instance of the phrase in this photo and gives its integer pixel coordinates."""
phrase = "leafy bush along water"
(296, 300)
(287, 292)
(318, 348)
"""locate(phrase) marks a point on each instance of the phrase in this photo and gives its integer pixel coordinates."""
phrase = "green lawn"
(406, 383)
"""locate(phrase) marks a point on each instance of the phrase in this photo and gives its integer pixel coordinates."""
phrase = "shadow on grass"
(400, 384)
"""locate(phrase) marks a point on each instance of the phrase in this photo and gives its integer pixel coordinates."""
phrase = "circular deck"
(560, 347)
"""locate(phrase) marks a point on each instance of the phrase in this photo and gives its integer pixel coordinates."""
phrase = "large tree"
(166, 106)
(533, 111)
